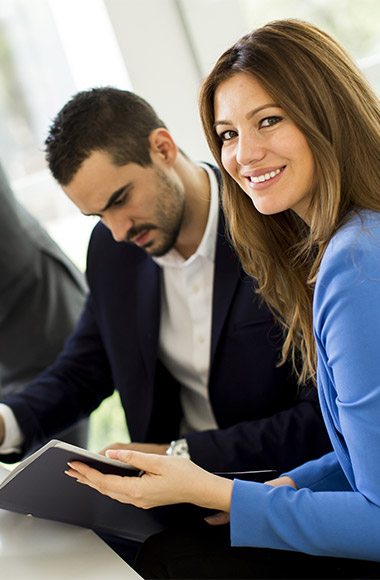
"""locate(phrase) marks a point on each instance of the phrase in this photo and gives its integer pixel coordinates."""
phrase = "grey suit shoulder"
(41, 294)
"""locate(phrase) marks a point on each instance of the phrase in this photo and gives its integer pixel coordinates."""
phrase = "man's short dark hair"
(100, 119)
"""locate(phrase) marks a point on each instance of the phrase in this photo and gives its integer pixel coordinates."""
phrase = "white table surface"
(37, 549)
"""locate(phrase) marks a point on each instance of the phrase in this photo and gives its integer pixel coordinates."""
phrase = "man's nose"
(119, 227)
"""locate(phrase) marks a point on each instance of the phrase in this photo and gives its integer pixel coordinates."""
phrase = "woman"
(295, 130)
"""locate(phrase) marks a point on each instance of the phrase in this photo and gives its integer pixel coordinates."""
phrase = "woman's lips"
(264, 178)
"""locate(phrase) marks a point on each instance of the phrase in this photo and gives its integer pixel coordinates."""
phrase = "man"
(171, 321)
(42, 294)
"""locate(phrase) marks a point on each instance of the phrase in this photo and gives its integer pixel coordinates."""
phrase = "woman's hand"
(167, 480)
(284, 480)
(159, 449)
(221, 518)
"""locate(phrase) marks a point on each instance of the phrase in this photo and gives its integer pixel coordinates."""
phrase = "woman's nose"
(250, 149)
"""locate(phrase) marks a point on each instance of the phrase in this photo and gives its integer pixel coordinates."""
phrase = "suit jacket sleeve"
(280, 441)
(68, 390)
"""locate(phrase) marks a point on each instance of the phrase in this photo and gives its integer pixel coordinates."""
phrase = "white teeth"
(265, 177)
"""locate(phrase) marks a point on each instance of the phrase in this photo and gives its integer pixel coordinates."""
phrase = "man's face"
(140, 205)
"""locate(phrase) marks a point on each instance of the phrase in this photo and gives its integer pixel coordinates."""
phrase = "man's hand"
(145, 447)
(2, 429)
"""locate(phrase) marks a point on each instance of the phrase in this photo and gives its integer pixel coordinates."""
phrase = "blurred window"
(48, 51)
(356, 25)
(214, 25)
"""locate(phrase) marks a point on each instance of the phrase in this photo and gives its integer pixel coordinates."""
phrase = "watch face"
(179, 448)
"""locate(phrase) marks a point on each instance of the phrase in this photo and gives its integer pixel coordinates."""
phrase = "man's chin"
(158, 251)
(152, 250)
(148, 247)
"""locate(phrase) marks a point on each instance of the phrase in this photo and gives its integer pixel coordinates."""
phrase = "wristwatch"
(178, 448)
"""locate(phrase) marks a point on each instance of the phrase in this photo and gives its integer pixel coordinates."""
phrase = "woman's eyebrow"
(248, 115)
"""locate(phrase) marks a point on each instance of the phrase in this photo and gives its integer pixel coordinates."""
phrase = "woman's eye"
(227, 135)
(269, 122)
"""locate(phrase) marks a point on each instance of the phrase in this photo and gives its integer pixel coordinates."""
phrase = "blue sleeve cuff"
(323, 474)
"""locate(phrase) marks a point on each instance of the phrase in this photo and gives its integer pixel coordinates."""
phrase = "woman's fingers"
(161, 483)
(149, 462)
(153, 463)
(165, 480)
(124, 489)
(218, 519)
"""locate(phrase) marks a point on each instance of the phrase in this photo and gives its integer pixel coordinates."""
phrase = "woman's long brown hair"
(318, 85)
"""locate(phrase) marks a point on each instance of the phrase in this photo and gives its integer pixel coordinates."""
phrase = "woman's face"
(262, 149)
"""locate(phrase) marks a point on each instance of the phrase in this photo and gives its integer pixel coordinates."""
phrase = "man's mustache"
(137, 231)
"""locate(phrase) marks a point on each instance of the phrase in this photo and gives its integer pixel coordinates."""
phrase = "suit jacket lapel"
(226, 276)
(148, 312)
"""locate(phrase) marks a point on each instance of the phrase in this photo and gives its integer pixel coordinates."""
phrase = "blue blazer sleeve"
(334, 515)
(323, 474)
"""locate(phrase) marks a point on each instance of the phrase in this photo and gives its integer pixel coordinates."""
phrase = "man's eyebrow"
(115, 195)
(248, 116)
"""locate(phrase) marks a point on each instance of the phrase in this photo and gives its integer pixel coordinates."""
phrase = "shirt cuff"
(13, 438)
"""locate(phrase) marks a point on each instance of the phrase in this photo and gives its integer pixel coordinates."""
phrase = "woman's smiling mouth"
(267, 176)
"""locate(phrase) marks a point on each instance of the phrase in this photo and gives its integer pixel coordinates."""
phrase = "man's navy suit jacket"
(263, 422)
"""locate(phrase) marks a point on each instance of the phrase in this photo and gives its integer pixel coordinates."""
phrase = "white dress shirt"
(185, 335)
(186, 311)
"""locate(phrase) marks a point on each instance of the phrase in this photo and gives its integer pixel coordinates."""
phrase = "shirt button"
(195, 288)
(201, 339)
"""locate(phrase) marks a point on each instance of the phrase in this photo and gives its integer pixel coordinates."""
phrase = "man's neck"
(197, 204)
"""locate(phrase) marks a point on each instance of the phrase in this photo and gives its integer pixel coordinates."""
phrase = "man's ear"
(163, 146)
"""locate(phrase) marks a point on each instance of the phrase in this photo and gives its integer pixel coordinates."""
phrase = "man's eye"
(120, 201)
(269, 122)
(227, 135)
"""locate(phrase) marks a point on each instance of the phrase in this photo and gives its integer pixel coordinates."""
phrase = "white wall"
(161, 66)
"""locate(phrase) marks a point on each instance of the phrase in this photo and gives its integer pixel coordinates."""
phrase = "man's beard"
(169, 212)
